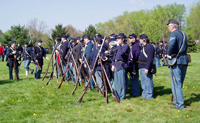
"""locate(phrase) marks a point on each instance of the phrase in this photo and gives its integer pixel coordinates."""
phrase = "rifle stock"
(64, 74)
(80, 99)
(77, 79)
(15, 68)
(51, 74)
(47, 67)
(104, 79)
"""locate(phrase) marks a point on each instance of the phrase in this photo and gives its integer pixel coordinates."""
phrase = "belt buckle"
(115, 60)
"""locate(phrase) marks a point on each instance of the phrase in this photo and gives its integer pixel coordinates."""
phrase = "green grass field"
(30, 100)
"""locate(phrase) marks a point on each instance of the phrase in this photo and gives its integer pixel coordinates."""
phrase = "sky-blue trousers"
(147, 84)
(120, 84)
(177, 78)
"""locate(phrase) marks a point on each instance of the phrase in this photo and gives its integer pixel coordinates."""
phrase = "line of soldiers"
(118, 59)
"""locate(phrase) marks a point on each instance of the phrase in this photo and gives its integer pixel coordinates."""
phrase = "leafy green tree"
(17, 33)
(191, 44)
(57, 32)
(91, 31)
(193, 23)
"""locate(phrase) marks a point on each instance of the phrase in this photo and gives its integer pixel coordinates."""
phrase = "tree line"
(152, 22)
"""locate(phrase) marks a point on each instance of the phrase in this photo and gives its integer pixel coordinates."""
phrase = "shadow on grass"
(160, 91)
(194, 98)
(6, 81)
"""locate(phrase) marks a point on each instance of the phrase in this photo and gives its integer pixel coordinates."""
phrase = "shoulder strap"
(179, 50)
(144, 52)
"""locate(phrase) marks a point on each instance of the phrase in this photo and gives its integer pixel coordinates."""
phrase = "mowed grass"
(30, 100)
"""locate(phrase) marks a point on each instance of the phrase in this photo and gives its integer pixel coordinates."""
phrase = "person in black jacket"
(38, 57)
(27, 56)
(12, 62)
(145, 63)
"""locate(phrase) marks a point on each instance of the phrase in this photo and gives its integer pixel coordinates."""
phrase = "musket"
(92, 72)
(48, 66)
(77, 77)
(51, 74)
(117, 100)
(104, 80)
(64, 73)
(15, 60)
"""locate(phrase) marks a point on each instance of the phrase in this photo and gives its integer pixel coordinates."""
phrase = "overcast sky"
(78, 13)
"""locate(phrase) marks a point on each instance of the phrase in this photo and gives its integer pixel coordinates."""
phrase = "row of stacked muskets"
(73, 58)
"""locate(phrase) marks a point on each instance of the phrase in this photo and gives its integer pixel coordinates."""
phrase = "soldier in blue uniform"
(110, 54)
(119, 65)
(12, 54)
(178, 61)
(63, 52)
(38, 57)
(133, 64)
(27, 57)
(98, 70)
(145, 63)
(88, 51)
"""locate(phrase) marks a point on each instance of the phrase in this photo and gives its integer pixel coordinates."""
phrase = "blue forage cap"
(12, 42)
(113, 34)
(39, 40)
(70, 38)
(73, 40)
(143, 36)
(112, 39)
(121, 35)
(26, 42)
(86, 36)
(132, 36)
(78, 38)
(64, 36)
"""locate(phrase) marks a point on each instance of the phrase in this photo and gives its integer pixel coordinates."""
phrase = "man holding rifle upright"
(12, 62)
(39, 54)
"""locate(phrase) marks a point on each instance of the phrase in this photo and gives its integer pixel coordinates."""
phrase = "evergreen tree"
(191, 44)
(17, 33)
(91, 31)
(59, 30)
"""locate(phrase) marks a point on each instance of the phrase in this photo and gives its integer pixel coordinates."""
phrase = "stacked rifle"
(78, 71)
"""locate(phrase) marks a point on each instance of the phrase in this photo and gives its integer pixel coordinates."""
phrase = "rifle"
(92, 72)
(104, 79)
(76, 81)
(117, 100)
(51, 74)
(15, 59)
(105, 74)
(48, 67)
(64, 74)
